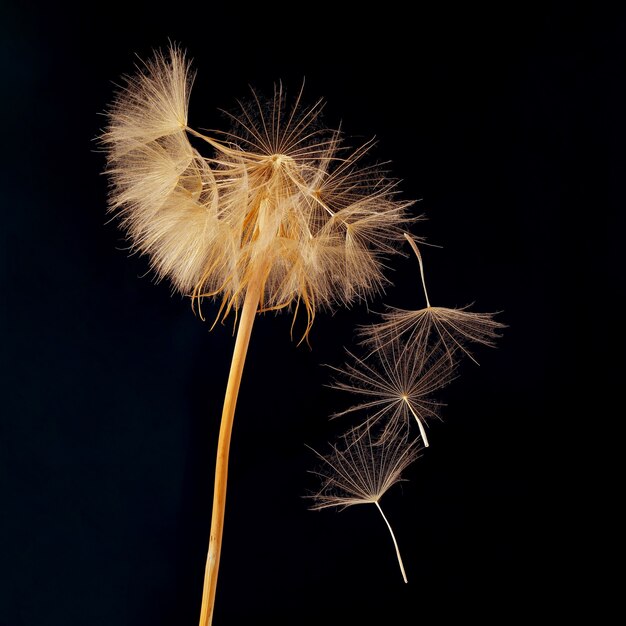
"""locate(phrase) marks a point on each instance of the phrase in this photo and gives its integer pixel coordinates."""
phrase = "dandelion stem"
(419, 258)
(244, 330)
(395, 543)
(419, 423)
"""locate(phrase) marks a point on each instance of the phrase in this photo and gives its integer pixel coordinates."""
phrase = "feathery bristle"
(152, 103)
(362, 468)
(397, 386)
(453, 329)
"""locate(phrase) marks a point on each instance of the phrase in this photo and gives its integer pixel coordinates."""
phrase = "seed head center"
(280, 160)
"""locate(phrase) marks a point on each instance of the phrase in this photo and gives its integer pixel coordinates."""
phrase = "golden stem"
(395, 543)
(244, 330)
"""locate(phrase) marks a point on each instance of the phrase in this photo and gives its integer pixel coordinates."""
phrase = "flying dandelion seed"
(453, 328)
(397, 386)
(362, 469)
(280, 215)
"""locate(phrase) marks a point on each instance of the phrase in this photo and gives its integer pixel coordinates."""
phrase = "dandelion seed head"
(279, 200)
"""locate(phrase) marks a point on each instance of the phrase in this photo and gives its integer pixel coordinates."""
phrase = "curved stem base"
(244, 331)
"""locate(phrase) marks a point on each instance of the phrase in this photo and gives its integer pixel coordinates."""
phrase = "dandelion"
(453, 328)
(361, 470)
(279, 215)
(397, 386)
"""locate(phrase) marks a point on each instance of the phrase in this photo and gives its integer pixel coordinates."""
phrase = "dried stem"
(395, 543)
(244, 330)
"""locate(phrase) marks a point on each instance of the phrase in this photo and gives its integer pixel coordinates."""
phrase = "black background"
(508, 128)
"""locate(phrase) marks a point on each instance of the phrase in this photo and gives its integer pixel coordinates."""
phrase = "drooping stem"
(419, 423)
(395, 543)
(419, 258)
(244, 330)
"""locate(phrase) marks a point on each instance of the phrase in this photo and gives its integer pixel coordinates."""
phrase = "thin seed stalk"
(419, 258)
(419, 423)
(395, 543)
(244, 331)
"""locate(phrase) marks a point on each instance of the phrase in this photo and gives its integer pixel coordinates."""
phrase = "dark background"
(507, 126)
